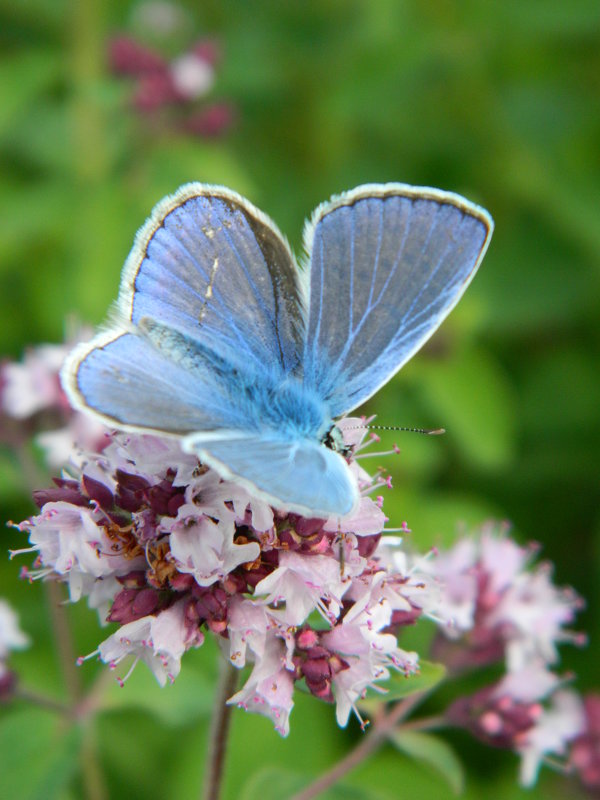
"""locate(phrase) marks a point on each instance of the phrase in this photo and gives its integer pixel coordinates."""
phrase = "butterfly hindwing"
(130, 383)
(300, 475)
(387, 264)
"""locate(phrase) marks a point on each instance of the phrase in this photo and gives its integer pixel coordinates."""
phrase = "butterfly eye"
(334, 440)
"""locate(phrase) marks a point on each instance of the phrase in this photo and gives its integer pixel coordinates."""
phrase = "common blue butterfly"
(221, 339)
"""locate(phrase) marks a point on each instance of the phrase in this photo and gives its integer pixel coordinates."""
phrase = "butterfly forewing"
(210, 290)
(211, 265)
(387, 264)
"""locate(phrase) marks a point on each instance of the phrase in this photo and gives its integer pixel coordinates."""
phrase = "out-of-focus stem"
(42, 701)
(371, 742)
(64, 642)
(217, 737)
(93, 778)
(426, 724)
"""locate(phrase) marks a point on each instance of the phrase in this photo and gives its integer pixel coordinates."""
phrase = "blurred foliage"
(499, 101)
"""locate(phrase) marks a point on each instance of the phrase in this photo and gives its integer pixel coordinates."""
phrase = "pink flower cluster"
(498, 607)
(11, 638)
(32, 402)
(165, 548)
(173, 91)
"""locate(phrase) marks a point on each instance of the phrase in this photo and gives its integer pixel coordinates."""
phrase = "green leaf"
(188, 698)
(22, 79)
(470, 395)
(434, 752)
(399, 686)
(273, 783)
(39, 754)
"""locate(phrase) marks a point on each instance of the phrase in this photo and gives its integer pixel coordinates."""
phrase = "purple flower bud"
(212, 121)
(132, 604)
(498, 720)
(53, 495)
(181, 582)
(401, 617)
(368, 544)
(97, 491)
(585, 750)
(306, 639)
(8, 684)
(306, 526)
(135, 579)
(128, 57)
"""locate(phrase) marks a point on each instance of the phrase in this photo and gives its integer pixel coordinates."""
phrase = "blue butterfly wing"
(131, 384)
(387, 264)
(299, 475)
(211, 265)
(210, 290)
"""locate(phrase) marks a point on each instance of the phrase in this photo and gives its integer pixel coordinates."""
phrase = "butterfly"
(220, 338)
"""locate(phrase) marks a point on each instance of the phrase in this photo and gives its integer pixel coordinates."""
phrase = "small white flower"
(11, 635)
(159, 641)
(33, 384)
(71, 537)
(269, 689)
(301, 584)
(206, 549)
(558, 725)
(192, 76)
(367, 520)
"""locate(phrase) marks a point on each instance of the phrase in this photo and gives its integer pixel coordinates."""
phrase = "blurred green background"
(497, 101)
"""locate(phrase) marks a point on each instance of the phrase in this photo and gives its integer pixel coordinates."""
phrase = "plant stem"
(91, 771)
(64, 641)
(371, 742)
(217, 743)
(42, 701)
(426, 724)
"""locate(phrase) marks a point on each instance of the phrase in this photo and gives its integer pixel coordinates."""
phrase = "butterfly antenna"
(427, 431)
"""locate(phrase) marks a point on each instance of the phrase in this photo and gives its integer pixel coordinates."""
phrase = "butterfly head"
(334, 440)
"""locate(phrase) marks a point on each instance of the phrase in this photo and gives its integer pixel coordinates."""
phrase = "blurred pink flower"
(526, 712)
(585, 749)
(32, 402)
(173, 91)
(496, 604)
(11, 638)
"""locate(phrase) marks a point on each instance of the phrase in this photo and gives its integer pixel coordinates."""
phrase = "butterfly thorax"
(287, 407)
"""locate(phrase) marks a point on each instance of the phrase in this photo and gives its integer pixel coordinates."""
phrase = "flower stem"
(42, 701)
(426, 724)
(371, 742)
(64, 641)
(92, 776)
(217, 742)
